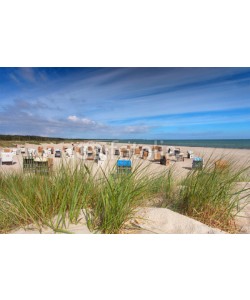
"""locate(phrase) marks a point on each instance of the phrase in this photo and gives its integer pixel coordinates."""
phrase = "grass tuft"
(212, 195)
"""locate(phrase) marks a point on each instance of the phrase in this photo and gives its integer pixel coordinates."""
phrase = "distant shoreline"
(204, 143)
(222, 144)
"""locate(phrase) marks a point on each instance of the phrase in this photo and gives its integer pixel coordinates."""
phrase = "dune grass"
(108, 200)
(32, 198)
(117, 198)
(212, 195)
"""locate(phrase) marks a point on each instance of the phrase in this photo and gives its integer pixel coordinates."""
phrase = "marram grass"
(212, 195)
(108, 200)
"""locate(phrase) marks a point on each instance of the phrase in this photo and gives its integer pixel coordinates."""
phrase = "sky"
(126, 103)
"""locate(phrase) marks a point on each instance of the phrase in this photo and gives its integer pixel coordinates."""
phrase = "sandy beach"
(181, 168)
(241, 157)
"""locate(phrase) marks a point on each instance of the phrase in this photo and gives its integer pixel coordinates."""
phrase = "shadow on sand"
(187, 168)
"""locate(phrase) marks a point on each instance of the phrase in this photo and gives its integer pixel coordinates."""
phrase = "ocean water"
(233, 144)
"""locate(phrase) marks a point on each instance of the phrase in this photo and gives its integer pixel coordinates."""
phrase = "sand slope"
(148, 220)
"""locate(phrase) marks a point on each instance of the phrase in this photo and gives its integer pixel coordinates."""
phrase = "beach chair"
(197, 163)
(171, 151)
(137, 151)
(42, 167)
(117, 152)
(177, 151)
(125, 153)
(40, 149)
(28, 164)
(145, 154)
(179, 157)
(123, 166)
(157, 157)
(165, 160)
(102, 158)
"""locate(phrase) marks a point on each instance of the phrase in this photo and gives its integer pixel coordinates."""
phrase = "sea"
(233, 144)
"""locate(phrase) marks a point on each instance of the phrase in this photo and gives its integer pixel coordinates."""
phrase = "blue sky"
(151, 103)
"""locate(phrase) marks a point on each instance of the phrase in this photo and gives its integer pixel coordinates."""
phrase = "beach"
(240, 157)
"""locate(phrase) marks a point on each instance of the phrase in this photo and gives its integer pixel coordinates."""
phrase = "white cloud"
(73, 118)
(84, 121)
(87, 121)
(136, 129)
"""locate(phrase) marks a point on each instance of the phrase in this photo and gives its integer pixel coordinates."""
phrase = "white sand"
(150, 220)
